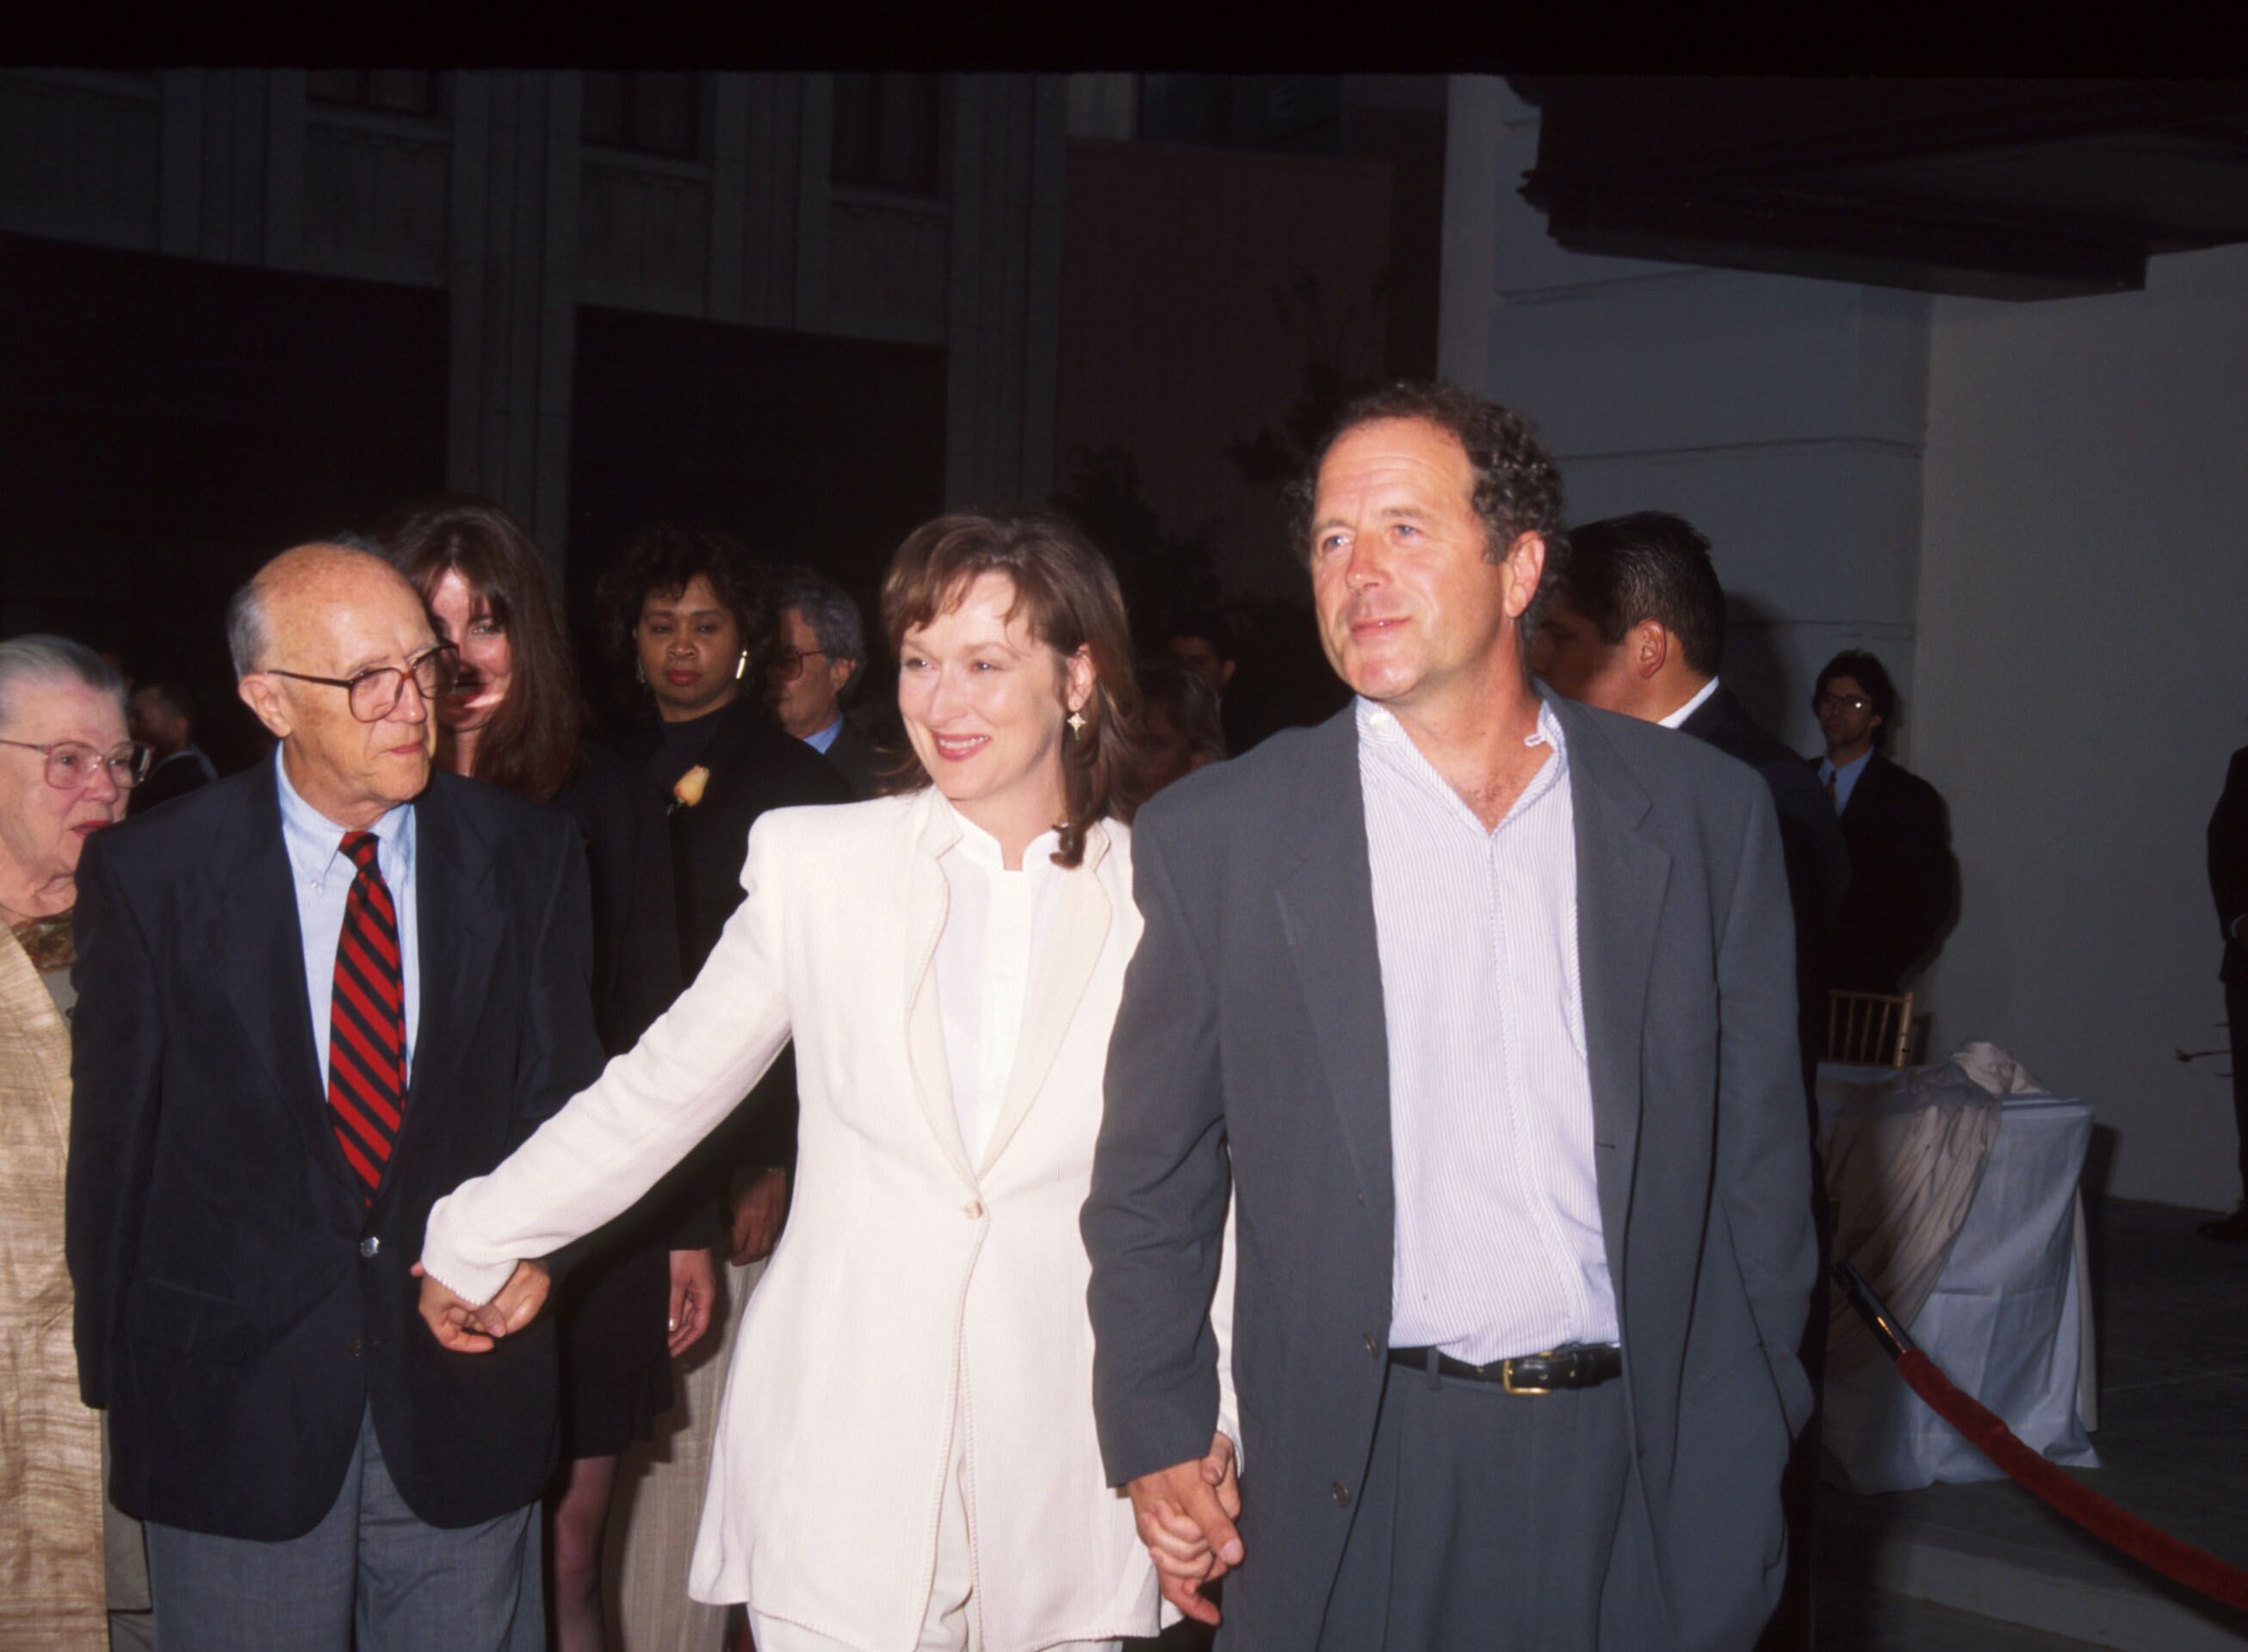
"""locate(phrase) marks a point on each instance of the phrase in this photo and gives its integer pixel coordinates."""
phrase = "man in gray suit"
(1490, 1001)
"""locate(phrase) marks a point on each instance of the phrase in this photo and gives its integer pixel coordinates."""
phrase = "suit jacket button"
(370, 1245)
(1341, 1494)
(355, 1347)
(1373, 1348)
(975, 1210)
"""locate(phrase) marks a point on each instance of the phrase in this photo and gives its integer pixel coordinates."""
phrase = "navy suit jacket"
(240, 1306)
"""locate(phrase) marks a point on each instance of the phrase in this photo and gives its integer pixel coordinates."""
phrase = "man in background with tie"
(327, 991)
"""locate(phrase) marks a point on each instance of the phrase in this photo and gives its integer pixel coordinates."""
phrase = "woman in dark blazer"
(515, 719)
(689, 615)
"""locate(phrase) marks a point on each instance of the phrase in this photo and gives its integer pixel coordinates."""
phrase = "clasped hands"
(465, 1328)
(1185, 1514)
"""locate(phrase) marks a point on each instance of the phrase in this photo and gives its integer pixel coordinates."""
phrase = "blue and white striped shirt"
(1498, 1245)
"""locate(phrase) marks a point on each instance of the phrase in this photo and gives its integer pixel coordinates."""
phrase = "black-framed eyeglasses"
(1841, 702)
(375, 693)
(71, 765)
(788, 664)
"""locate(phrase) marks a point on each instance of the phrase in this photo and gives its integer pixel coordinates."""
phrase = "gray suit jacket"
(1252, 1022)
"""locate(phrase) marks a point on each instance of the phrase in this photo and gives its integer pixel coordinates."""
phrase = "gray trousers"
(370, 1575)
(1495, 1521)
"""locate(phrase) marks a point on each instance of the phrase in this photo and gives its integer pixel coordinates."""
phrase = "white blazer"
(908, 1281)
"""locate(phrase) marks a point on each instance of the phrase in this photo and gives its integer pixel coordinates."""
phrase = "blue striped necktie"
(366, 1022)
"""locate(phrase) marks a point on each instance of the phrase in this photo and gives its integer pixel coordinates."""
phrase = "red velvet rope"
(1988, 1434)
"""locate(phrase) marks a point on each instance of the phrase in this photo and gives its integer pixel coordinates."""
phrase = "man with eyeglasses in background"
(822, 651)
(1902, 882)
(327, 991)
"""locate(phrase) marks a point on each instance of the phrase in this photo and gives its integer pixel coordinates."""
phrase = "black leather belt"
(1584, 1365)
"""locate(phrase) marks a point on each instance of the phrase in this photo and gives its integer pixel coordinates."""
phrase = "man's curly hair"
(1518, 486)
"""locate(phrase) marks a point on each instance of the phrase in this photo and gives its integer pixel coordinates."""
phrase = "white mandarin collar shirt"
(997, 924)
(1498, 1246)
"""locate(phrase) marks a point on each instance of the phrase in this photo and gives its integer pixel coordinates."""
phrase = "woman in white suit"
(906, 1454)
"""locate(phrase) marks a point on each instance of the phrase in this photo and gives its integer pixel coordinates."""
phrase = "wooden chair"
(1868, 1029)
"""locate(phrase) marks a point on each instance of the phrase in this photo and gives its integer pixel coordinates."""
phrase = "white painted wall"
(2035, 513)
(2083, 600)
(1782, 417)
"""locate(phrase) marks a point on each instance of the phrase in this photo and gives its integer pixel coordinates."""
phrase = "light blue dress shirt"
(321, 873)
(1845, 779)
(1498, 1243)
(826, 738)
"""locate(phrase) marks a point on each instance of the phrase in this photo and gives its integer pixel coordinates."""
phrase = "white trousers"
(952, 1622)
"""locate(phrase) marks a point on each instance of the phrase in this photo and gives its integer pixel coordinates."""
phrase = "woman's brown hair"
(1066, 591)
(531, 744)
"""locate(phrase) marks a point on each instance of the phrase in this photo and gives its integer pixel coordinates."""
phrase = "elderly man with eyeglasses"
(823, 653)
(312, 999)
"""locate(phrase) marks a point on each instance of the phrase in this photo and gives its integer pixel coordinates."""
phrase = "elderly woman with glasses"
(66, 766)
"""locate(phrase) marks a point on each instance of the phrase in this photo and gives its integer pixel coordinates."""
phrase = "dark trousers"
(2236, 1012)
(1495, 1521)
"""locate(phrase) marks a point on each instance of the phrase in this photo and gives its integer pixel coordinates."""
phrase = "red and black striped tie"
(367, 1021)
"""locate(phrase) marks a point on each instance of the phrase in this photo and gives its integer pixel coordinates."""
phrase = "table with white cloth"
(2009, 1319)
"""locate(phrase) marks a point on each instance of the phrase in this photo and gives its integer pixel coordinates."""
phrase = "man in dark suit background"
(327, 991)
(1487, 1001)
(1903, 885)
(1639, 628)
(822, 655)
(162, 715)
(2228, 885)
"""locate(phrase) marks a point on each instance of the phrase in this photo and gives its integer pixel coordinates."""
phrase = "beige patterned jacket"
(51, 1533)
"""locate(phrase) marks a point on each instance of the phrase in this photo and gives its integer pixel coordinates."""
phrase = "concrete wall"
(2082, 680)
(1783, 417)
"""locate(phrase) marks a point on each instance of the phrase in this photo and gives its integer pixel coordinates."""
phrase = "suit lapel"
(458, 941)
(932, 833)
(1326, 912)
(260, 948)
(1621, 875)
(1080, 930)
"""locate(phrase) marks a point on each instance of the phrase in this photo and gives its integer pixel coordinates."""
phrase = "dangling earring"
(741, 665)
(1077, 725)
(640, 672)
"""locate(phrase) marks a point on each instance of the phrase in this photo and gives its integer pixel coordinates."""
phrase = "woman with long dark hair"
(907, 1454)
(515, 719)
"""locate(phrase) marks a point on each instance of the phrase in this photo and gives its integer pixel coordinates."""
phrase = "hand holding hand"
(463, 1327)
(1185, 1515)
(694, 1292)
(758, 1210)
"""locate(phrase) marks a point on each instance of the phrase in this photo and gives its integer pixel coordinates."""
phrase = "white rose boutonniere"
(688, 791)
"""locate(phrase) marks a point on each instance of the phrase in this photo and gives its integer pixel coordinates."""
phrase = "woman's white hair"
(30, 660)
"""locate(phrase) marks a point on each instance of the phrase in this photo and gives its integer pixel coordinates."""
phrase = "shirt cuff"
(445, 1259)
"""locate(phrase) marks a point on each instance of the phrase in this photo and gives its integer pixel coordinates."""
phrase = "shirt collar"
(981, 850)
(1848, 771)
(1677, 718)
(315, 843)
(1379, 729)
(826, 738)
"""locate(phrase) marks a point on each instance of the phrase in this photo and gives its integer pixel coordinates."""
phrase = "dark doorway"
(166, 425)
(811, 450)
